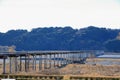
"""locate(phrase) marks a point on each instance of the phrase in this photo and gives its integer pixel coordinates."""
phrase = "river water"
(106, 60)
(109, 56)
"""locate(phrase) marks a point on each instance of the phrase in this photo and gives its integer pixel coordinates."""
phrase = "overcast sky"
(28, 14)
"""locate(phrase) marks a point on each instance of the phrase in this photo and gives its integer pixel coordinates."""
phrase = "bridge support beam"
(20, 63)
(45, 61)
(50, 61)
(35, 58)
(33, 63)
(16, 64)
(54, 61)
(61, 59)
(4, 65)
(10, 65)
(40, 62)
(25, 63)
(28, 62)
(57, 61)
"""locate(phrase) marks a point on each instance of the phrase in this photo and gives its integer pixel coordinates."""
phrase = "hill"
(67, 38)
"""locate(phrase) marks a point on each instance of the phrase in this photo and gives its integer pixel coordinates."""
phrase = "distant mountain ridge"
(67, 38)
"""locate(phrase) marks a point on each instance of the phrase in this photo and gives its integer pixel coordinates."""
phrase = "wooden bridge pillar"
(40, 62)
(28, 62)
(76, 56)
(68, 58)
(25, 63)
(45, 61)
(47, 57)
(54, 60)
(16, 64)
(60, 59)
(50, 62)
(65, 57)
(80, 57)
(73, 58)
(4, 65)
(10, 65)
(20, 59)
(57, 60)
(35, 62)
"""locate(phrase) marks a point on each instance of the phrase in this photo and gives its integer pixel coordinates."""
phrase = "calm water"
(115, 60)
(109, 56)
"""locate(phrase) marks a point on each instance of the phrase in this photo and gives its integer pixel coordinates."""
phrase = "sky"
(28, 14)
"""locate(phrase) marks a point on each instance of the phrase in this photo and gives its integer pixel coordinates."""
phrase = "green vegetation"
(58, 38)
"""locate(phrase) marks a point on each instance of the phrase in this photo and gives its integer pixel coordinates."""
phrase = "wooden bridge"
(28, 61)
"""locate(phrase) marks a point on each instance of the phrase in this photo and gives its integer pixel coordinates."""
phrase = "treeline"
(67, 38)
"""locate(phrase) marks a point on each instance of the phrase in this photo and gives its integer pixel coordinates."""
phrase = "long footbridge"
(29, 61)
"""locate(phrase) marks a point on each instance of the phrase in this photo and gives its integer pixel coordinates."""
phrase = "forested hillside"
(67, 38)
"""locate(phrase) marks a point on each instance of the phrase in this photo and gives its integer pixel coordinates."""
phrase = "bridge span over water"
(27, 61)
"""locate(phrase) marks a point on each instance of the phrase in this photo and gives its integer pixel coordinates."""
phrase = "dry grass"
(91, 70)
(77, 69)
